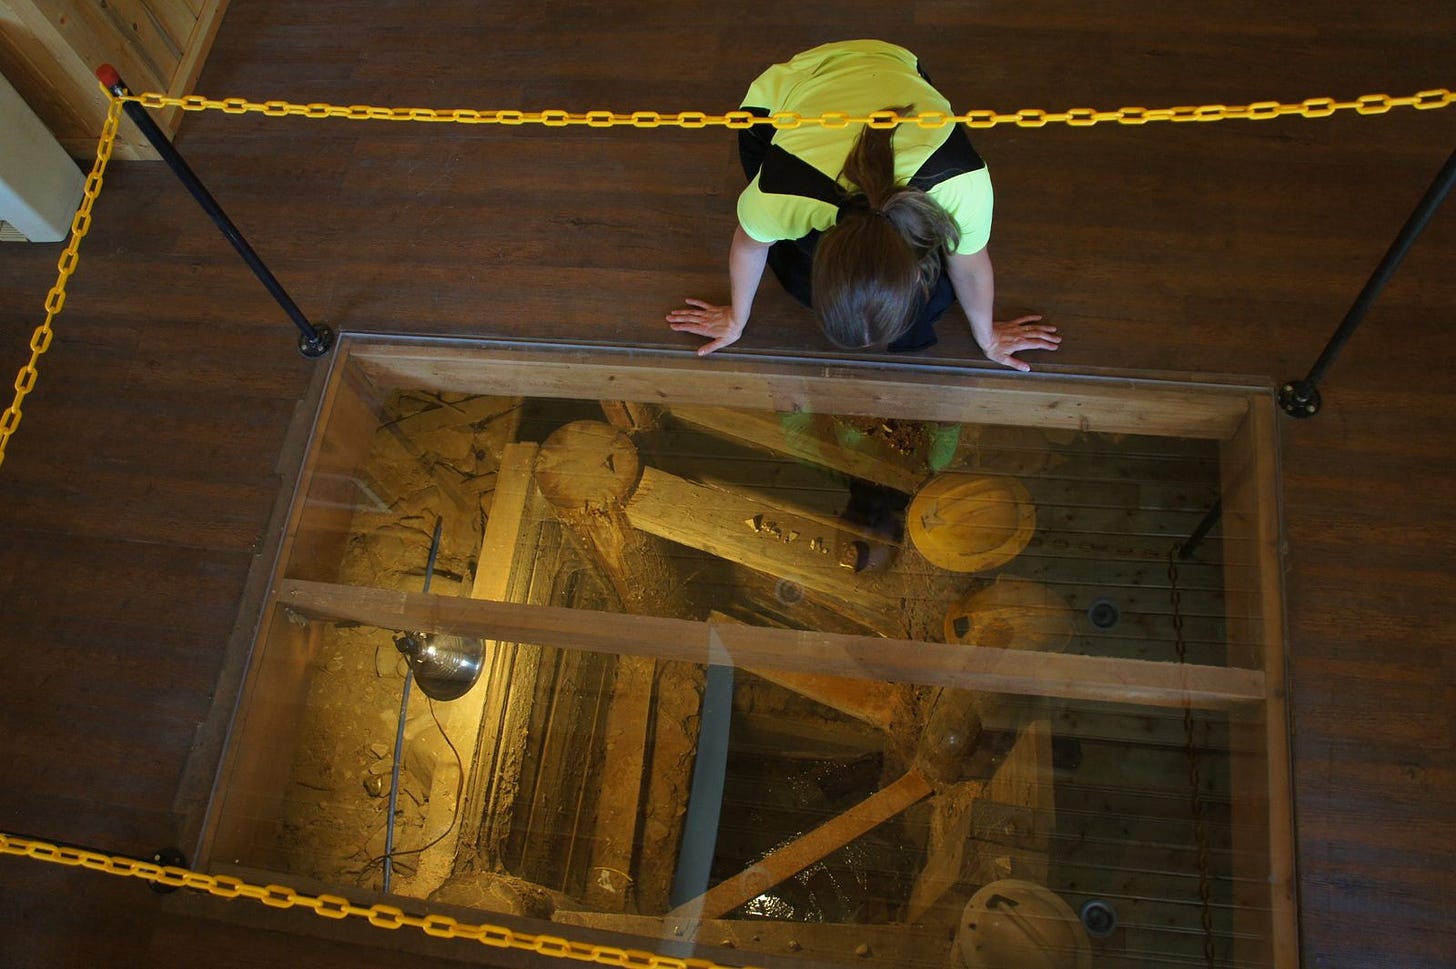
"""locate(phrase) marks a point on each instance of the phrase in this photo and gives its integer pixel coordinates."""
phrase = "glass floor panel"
(772, 684)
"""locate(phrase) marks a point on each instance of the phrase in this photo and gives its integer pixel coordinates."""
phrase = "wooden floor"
(136, 495)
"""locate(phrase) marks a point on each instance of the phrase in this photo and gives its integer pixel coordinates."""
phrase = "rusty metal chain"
(1195, 780)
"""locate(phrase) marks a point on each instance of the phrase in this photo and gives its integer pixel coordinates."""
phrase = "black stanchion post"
(313, 341)
(1301, 398)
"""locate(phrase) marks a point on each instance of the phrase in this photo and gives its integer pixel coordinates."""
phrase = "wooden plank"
(814, 444)
(245, 821)
(472, 410)
(931, 664)
(51, 49)
(32, 68)
(209, 14)
(322, 515)
(887, 706)
(951, 820)
(774, 943)
(1024, 780)
(867, 389)
(1265, 814)
(501, 729)
(142, 30)
(804, 851)
(503, 522)
(156, 45)
(882, 705)
(171, 20)
(93, 39)
(961, 849)
(753, 532)
(625, 744)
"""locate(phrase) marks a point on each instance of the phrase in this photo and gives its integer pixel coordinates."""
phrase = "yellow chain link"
(40, 340)
(1025, 118)
(336, 907)
(556, 118)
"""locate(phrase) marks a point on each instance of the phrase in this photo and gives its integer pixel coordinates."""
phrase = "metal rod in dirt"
(1429, 203)
(313, 341)
(404, 698)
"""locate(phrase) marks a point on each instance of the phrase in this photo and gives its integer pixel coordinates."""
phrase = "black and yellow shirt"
(797, 191)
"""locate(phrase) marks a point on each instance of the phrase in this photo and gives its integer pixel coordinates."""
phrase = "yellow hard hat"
(969, 522)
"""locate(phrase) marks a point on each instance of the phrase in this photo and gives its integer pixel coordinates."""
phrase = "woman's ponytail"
(883, 255)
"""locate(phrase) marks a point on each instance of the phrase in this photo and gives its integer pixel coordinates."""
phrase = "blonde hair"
(883, 256)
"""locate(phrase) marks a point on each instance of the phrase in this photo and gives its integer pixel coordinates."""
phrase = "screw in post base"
(1299, 399)
(321, 344)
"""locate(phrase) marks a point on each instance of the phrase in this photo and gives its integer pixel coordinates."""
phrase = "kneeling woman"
(879, 230)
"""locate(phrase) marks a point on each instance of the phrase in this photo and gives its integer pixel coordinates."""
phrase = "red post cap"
(107, 75)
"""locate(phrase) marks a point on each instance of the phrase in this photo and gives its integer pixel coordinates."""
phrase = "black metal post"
(1300, 398)
(313, 341)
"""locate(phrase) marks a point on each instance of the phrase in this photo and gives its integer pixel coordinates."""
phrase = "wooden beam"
(862, 657)
(503, 522)
(764, 429)
(753, 532)
(774, 943)
(244, 818)
(882, 705)
(888, 706)
(343, 434)
(866, 388)
(1024, 783)
(1264, 862)
(950, 833)
(625, 744)
(802, 852)
(498, 727)
(471, 410)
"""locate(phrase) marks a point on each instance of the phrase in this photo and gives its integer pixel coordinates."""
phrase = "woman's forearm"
(746, 259)
(974, 282)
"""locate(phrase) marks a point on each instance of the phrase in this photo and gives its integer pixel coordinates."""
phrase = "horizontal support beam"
(787, 861)
(861, 657)
(866, 388)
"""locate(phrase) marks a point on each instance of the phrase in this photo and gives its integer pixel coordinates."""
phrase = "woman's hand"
(715, 322)
(1012, 336)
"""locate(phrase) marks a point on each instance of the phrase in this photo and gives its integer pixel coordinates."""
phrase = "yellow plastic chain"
(40, 340)
(336, 907)
(1025, 118)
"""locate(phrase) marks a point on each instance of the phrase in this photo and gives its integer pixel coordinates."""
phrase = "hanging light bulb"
(445, 667)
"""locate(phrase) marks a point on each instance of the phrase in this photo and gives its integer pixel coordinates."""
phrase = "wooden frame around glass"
(1240, 418)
